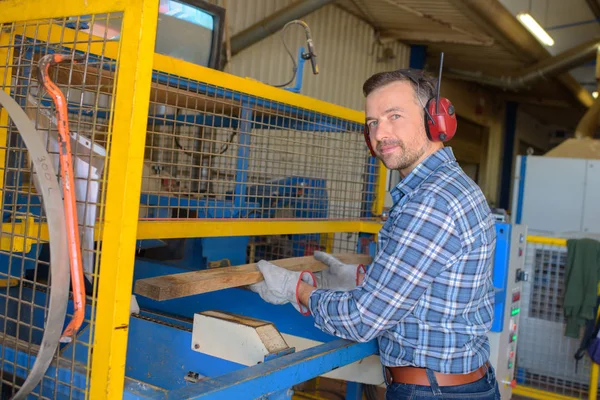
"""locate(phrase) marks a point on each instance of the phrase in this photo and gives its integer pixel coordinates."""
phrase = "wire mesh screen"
(545, 356)
(25, 271)
(212, 152)
(275, 247)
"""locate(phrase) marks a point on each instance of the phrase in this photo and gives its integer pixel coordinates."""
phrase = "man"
(428, 294)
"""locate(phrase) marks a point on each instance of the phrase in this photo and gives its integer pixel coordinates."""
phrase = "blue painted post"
(501, 259)
(510, 128)
(299, 73)
(354, 391)
(418, 53)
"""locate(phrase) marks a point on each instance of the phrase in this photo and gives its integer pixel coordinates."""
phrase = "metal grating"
(274, 247)
(545, 356)
(24, 255)
(213, 152)
(547, 291)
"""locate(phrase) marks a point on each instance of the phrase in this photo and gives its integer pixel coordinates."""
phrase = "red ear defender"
(440, 116)
(368, 139)
(441, 127)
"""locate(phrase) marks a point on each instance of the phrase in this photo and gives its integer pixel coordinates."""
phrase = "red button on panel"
(516, 296)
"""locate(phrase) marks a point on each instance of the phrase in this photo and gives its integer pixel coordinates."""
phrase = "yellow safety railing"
(535, 393)
(154, 229)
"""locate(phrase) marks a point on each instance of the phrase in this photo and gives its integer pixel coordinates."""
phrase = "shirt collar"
(421, 172)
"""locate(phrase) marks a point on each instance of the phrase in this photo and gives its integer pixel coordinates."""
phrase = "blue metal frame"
(501, 266)
(278, 374)
(299, 72)
(523, 174)
(510, 130)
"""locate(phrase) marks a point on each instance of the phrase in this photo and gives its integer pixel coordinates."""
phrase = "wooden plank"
(190, 283)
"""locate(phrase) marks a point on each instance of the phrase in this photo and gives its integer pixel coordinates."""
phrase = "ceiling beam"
(492, 16)
(534, 100)
(487, 40)
(421, 37)
(594, 6)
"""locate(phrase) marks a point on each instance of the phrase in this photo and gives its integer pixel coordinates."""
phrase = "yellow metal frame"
(196, 72)
(194, 228)
(205, 228)
(539, 394)
(19, 235)
(123, 190)
(224, 80)
(550, 241)
(6, 53)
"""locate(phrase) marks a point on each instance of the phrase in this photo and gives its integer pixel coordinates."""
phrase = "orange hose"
(68, 183)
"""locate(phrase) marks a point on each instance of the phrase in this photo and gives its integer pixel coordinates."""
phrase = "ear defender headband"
(440, 116)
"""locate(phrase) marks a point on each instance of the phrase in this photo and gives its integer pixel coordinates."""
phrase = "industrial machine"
(508, 276)
(177, 167)
(556, 197)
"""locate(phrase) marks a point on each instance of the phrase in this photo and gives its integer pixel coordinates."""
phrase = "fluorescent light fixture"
(595, 95)
(536, 30)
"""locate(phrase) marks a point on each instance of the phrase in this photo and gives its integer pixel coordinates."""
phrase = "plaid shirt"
(428, 295)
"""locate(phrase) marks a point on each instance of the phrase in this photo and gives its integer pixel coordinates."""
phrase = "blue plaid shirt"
(428, 295)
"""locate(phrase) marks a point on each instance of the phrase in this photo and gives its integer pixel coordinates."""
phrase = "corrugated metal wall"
(344, 45)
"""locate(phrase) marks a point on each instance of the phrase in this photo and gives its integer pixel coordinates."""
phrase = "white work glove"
(338, 276)
(280, 286)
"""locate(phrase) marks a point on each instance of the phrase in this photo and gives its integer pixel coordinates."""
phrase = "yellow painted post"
(380, 192)
(6, 60)
(327, 241)
(593, 388)
(381, 189)
(538, 394)
(123, 195)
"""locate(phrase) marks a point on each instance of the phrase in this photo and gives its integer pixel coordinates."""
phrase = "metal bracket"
(193, 377)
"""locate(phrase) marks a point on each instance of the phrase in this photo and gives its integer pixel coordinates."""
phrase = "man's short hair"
(423, 84)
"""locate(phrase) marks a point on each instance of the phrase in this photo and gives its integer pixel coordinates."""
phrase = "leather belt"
(418, 376)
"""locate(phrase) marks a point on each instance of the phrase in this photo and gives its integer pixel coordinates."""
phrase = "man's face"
(396, 126)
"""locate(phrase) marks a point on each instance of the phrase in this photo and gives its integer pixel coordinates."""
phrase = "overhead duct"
(546, 69)
(273, 23)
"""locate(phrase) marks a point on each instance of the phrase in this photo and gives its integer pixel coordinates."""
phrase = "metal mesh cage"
(545, 356)
(245, 159)
(24, 254)
(212, 152)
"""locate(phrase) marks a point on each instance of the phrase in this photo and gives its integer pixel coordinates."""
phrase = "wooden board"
(190, 283)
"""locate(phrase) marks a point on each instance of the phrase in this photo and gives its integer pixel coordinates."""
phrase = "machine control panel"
(508, 276)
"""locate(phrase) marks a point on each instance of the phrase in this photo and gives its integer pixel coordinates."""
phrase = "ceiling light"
(595, 95)
(536, 30)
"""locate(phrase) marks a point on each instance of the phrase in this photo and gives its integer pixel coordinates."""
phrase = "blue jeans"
(485, 388)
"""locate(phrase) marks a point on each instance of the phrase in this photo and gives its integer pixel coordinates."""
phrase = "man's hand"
(280, 285)
(338, 276)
